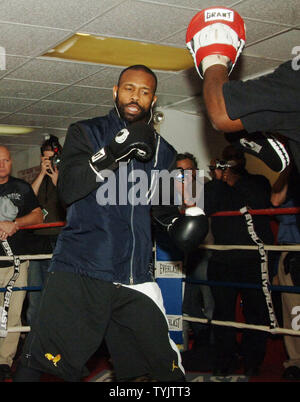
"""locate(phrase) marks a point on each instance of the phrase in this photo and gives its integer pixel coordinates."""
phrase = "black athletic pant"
(74, 316)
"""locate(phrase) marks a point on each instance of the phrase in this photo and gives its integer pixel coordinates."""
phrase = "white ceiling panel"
(31, 120)
(194, 4)
(66, 14)
(13, 104)
(10, 63)
(24, 40)
(26, 89)
(282, 12)
(55, 108)
(279, 47)
(99, 110)
(77, 94)
(184, 84)
(54, 71)
(148, 22)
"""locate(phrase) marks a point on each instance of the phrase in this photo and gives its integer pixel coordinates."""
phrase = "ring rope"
(241, 325)
(284, 289)
(263, 211)
(270, 211)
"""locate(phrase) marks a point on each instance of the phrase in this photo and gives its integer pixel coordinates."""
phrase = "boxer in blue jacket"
(102, 269)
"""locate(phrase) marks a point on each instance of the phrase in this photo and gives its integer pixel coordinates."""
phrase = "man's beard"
(142, 115)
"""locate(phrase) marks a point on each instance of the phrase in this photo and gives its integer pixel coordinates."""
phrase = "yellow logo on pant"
(174, 366)
(54, 359)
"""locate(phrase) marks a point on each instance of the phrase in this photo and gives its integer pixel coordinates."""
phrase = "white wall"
(25, 159)
(194, 134)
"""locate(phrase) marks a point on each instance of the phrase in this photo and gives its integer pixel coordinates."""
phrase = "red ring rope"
(267, 211)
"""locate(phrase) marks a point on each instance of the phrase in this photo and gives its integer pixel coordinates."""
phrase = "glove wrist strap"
(213, 59)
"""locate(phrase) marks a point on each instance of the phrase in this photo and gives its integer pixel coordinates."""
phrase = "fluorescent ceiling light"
(122, 52)
(14, 130)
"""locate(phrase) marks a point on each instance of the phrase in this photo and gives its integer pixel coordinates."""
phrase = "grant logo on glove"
(218, 14)
(215, 36)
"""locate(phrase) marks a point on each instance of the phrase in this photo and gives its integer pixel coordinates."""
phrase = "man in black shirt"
(18, 208)
(45, 188)
(231, 189)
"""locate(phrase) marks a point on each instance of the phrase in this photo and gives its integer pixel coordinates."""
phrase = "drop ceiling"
(48, 94)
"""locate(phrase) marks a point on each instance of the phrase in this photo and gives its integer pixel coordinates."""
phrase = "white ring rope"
(277, 330)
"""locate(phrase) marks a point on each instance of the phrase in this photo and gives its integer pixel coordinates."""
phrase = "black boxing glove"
(135, 141)
(188, 231)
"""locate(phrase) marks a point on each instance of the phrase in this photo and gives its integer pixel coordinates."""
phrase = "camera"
(52, 144)
(222, 164)
(55, 159)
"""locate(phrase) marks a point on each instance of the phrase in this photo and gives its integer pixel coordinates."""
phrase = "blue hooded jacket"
(108, 242)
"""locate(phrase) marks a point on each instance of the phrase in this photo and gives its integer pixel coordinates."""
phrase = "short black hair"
(187, 155)
(139, 67)
(50, 144)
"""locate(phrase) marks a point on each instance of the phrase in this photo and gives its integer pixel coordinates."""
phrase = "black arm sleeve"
(269, 103)
(76, 179)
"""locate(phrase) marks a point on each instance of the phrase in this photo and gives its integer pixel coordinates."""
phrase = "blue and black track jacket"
(107, 242)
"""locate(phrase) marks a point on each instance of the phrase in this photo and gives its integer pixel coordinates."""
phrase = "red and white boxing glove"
(216, 35)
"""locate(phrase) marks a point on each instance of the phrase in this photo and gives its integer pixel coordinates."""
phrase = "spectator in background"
(285, 193)
(18, 208)
(231, 189)
(44, 187)
(198, 300)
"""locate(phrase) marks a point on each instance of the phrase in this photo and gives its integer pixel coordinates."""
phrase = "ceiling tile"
(279, 47)
(257, 30)
(36, 120)
(55, 108)
(164, 100)
(283, 12)
(195, 4)
(95, 111)
(30, 120)
(187, 83)
(148, 21)
(23, 40)
(248, 66)
(83, 95)
(10, 63)
(26, 89)
(66, 14)
(11, 104)
(55, 71)
(106, 78)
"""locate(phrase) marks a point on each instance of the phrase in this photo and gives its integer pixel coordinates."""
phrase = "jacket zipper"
(133, 235)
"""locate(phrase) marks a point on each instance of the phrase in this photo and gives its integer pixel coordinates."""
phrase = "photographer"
(231, 189)
(50, 151)
(44, 187)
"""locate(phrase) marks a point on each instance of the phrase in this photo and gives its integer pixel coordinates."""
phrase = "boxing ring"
(170, 275)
